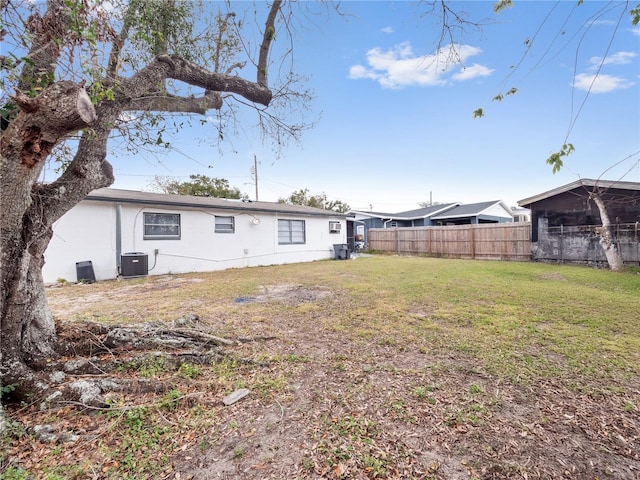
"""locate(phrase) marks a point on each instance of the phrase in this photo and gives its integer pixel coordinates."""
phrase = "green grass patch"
(400, 340)
(522, 321)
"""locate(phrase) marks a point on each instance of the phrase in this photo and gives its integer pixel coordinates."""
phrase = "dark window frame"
(150, 223)
(290, 232)
(219, 227)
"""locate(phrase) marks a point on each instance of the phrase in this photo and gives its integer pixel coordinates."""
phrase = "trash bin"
(341, 251)
(84, 272)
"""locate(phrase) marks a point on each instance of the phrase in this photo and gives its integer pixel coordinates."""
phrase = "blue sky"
(393, 130)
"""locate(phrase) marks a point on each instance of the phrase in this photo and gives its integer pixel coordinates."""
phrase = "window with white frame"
(291, 231)
(161, 226)
(225, 224)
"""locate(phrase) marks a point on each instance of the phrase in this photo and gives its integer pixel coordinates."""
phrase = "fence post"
(472, 242)
(395, 232)
(561, 243)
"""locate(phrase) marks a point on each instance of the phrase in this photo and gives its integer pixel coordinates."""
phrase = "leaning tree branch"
(194, 74)
(88, 170)
(178, 68)
(267, 38)
(177, 104)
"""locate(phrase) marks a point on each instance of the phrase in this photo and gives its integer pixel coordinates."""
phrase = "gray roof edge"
(398, 216)
(380, 215)
(487, 204)
(160, 199)
(444, 209)
(582, 182)
(413, 214)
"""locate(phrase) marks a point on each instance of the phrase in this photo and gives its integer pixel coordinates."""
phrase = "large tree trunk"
(27, 326)
(33, 331)
(607, 236)
(29, 208)
(28, 329)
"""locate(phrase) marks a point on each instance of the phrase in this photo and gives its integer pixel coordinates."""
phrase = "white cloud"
(602, 22)
(635, 31)
(400, 67)
(474, 71)
(387, 30)
(600, 83)
(619, 58)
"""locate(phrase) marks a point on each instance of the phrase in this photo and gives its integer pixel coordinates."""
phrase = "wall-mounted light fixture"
(255, 221)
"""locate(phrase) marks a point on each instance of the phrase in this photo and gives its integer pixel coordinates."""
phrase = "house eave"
(209, 203)
(393, 216)
(507, 212)
(583, 182)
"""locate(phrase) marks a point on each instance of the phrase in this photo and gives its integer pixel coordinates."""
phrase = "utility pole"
(255, 173)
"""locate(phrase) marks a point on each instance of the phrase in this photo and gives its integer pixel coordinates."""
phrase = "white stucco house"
(130, 233)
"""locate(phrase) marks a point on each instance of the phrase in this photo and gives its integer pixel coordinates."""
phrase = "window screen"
(291, 231)
(161, 226)
(225, 225)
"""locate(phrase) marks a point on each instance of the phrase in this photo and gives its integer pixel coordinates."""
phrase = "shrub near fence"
(495, 241)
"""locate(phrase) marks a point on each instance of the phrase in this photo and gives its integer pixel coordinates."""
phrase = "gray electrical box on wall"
(134, 264)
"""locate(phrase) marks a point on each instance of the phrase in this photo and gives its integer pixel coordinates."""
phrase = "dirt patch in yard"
(330, 398)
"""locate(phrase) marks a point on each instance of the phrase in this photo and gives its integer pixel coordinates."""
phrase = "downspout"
(118, 237)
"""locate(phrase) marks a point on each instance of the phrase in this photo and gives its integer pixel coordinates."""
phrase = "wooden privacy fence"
(495, 241)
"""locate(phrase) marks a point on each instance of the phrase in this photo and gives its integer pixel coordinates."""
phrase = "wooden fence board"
(496, 241)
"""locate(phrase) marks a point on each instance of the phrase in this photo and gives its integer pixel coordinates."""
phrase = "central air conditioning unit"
(134, 264)
(334, 227)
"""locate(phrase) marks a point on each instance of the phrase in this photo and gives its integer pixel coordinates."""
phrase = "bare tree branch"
(176, 104)
(193, 74)
(268, 36)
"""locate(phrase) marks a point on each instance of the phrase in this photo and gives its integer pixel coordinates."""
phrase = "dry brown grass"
(382, 367)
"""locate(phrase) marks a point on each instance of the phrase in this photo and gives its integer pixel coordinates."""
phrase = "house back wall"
(88, 232)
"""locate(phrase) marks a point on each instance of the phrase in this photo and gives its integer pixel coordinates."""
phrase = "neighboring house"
(475, 213)
(131, 233)
(521, 214)
(436, 215)
(565, 221)
(363, 220)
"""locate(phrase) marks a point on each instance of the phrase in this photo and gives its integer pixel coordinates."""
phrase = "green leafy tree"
(302, 197)
(112, 71)
(199, 186)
